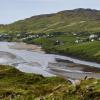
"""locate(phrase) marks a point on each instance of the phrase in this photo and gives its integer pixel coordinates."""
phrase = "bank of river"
(31, 59)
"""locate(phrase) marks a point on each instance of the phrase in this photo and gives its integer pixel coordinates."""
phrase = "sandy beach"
(24, 46)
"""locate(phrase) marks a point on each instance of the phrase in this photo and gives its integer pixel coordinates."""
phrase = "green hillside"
(16, 85)
(76, 20)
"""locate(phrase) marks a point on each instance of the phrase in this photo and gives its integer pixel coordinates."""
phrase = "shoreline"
(25, 46)
(39, 49)
(85, 68)
(72, 56)
(56, 71)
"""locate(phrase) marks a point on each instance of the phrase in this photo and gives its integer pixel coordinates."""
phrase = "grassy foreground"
(16, 85)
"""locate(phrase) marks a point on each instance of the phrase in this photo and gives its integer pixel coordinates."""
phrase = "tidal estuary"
(32, 59)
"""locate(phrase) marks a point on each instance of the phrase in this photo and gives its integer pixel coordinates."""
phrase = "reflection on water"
(30, 58)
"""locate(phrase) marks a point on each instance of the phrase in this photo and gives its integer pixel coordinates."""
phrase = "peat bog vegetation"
(16, 85)
(74, 33)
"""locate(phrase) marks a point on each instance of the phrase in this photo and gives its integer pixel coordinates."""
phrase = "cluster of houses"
(24, 36)
(92, 37)
(27, 36)
(33, 36)
(5, 37)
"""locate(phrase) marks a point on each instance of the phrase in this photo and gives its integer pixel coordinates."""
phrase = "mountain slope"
(65, 21)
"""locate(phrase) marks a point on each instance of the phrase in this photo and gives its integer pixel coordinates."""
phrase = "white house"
(77, 41)
(92, 40)
(93, 36)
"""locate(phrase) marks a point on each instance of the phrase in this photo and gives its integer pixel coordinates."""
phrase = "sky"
(13, 10)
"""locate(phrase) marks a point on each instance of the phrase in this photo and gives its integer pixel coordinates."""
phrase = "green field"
(87, 51)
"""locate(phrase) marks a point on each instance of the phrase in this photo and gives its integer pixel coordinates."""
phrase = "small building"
(59, 42)
(92, 40)
(99, 38)
(93, 36)
(74, 34)
(77, 41)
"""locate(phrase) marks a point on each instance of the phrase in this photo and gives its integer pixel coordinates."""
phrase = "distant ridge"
(77, 20)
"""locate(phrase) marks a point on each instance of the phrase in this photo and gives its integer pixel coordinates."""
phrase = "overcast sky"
(12, 10)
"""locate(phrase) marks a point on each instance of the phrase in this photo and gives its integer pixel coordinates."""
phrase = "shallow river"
(31, 59)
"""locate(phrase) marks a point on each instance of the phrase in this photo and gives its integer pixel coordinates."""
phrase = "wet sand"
(73, 71)
(24, 46)
(85, 68)
(73, 75)
(81, 67)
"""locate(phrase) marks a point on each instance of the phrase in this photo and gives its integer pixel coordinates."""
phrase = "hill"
(77, 20)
